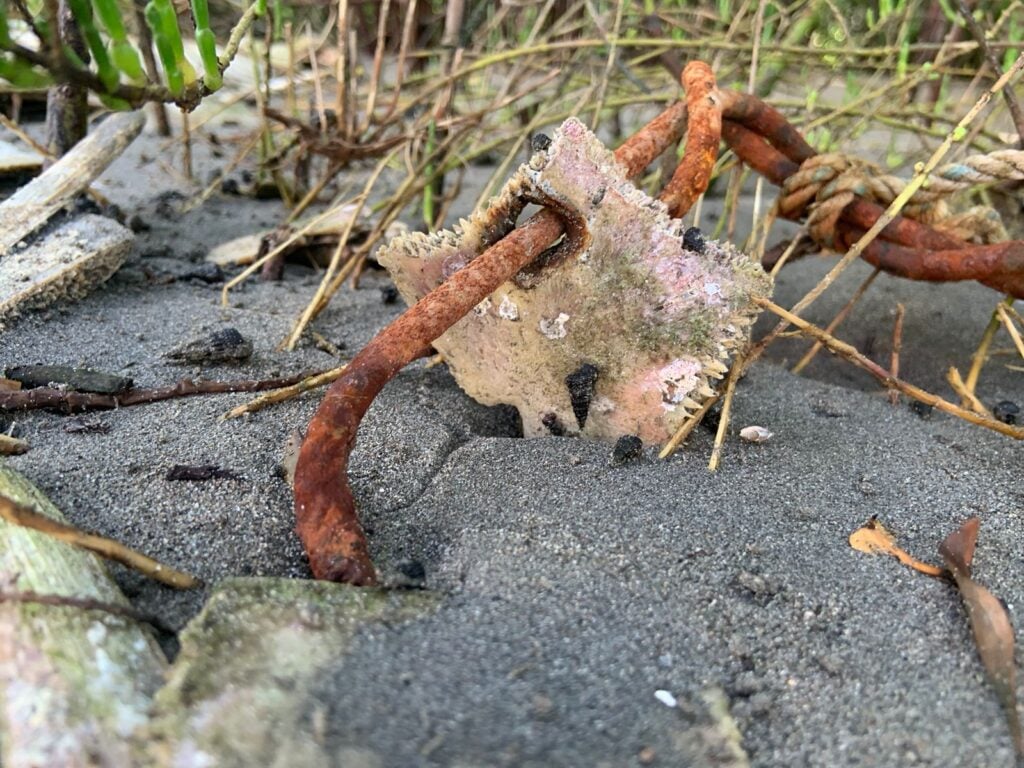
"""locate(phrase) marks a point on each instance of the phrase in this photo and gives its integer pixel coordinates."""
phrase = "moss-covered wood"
(75, 684)
(239, 690)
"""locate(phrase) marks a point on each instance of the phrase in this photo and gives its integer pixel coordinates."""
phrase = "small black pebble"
(693, 240)
(627, 448)
(388, 294)
(921, 409)
(112, 211)
(204, 273)
(138, 224)
(1006, 411)
(159, 252)
(413, 570)
(540, 142)
(711, 420)
(230, 187)
(167, 204)
(84, 204)
(580, 384)
(598, 196)
(553, 423)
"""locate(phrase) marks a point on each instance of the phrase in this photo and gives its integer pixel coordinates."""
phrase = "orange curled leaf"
(873, 538)
(990, 623)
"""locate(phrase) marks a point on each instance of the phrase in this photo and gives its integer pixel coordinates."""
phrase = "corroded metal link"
(703, 135)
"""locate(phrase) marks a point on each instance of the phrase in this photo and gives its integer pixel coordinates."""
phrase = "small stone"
(693, 240)
(388, 294)
(230, 186)
(923, 410)
(413, 572)
(1006, 411)
(540, 142)
(69, 377)
(646, 756)
(543, 707)
(204, 272)
(627, 448)
(666, 698)
(138, 224)
(665, 661)
(755, 434)
(553, 424)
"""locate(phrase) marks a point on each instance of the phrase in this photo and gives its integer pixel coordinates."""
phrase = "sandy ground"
(571, 590)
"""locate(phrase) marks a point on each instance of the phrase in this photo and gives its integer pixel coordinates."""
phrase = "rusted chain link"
(764, 140)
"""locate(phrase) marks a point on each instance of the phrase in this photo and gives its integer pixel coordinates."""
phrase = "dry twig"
(19, 514)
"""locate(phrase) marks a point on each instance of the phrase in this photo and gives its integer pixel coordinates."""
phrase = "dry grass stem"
(981, 353)
(688, 426)
(897, 343)
(850, 353)
(837, 320)
(967, 397)
(723, 422)
(285, 393)
(1011, 327)
(18, 514)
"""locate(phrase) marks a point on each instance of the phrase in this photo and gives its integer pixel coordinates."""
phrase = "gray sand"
(571, 590)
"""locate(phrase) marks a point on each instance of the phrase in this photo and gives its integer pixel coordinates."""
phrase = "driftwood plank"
(14, 159)
(32, 205)
(76, 684)
(65, 263)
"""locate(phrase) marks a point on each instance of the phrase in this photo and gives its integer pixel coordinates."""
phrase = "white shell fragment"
(654, 318)
(755, 434)
(554, 329)
(508, 309)
(666, 698)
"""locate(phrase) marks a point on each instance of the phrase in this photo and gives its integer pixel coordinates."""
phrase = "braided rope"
(825, 184)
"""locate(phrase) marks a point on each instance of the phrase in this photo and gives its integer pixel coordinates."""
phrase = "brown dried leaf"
(990, 623)
(960, 544)
(873, 538)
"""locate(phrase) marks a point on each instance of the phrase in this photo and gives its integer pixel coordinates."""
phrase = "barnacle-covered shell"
(655, 319)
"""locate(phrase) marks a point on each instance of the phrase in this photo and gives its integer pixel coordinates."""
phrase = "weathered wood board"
(32, 205)
(64, 263)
